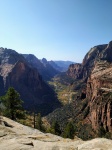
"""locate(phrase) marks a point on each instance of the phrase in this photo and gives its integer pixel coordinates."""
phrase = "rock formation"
(97, 69)
(14, 136)
(75, 71)
(99, 92)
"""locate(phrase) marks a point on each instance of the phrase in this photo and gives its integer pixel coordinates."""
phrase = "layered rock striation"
(99, 92)
(75, 71)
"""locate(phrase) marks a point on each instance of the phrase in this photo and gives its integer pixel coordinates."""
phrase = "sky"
(55, 29)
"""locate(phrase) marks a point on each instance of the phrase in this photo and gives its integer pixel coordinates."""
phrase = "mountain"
(91, 109)
(15, 136)
(60, 66)
(50, 69)
(44, 68)
(54, 65)
(16, 72)
(63, 65)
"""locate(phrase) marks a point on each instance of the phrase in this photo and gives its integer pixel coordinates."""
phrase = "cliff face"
(75, 71)
(99, 92)
(99, 86)
(97, 53)
(16, 72)
(99, 89)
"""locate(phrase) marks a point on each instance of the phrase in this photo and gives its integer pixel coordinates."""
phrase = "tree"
(55, 128)
(34, 122)
(69, 131)
(101, 131)
(13, 104)
(38, 120)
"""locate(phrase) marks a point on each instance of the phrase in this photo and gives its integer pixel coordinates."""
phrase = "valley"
(81, 96)
(55, 75)
(64, 91)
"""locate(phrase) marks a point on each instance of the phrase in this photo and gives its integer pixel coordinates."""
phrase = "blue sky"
(55, 29)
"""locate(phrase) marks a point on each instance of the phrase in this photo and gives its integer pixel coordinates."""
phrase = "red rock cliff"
(75, 71)
(99, 92)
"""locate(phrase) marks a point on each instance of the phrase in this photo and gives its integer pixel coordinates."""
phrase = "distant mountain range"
(63, 64)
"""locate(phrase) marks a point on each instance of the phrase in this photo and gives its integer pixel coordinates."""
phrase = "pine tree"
(69, 131)
(55, 128)
(38, 120)
(101, 131)
(13, 104)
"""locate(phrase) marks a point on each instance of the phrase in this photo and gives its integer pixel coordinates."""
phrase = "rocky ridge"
(16, 136)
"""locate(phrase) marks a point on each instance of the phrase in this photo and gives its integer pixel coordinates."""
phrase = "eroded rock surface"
(75, 71)
(99, 91)
(21, 137)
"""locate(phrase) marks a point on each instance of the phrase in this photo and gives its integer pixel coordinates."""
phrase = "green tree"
(55, 128)
(101, 131)
(69, 131)
(13, 104)
(38, 120)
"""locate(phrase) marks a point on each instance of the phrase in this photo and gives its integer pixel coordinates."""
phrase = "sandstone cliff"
(75, 71)
(97, 69)
(99, 92)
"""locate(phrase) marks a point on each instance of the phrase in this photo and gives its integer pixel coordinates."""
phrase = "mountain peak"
(44, 61)
(110, 44)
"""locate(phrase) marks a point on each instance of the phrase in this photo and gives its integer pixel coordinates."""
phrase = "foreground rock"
(14, 136)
